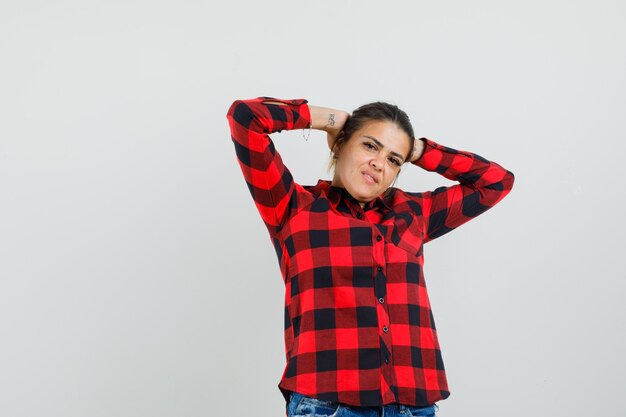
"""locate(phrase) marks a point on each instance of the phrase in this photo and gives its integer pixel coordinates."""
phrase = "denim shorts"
(302, 406)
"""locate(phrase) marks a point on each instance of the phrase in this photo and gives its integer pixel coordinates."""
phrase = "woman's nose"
(377, 162)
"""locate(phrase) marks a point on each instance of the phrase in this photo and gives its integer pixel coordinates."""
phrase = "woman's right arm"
(268, 179)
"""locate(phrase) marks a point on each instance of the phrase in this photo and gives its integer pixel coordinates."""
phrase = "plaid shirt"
(358, 324)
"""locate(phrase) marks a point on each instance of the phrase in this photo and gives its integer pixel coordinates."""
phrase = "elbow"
(504, 186)
(233, 109)
(509, 180)
(246, 114)
(240, 112)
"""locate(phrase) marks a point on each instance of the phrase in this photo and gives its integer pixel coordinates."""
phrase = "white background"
(136, 277)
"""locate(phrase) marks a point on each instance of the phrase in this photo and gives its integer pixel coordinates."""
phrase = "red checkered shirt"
(358, 323)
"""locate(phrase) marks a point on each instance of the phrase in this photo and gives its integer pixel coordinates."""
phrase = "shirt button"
(387, 361)
(380, 268)
(359, 215)
(381, 300)
(378, 238)
(385, 329)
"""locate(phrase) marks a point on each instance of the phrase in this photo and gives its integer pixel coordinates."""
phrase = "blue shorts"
(302, 406)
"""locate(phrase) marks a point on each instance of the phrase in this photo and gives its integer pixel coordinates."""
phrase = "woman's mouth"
(368, 178)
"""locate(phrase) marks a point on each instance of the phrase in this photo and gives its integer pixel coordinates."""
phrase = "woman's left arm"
(481, 185)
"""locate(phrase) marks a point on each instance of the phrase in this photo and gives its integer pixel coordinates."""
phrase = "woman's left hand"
(418, 149)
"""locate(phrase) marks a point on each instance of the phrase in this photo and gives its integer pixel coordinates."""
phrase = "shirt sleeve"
(268, 179)
(482, 184)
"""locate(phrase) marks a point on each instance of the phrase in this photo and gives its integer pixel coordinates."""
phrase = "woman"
(360, 337)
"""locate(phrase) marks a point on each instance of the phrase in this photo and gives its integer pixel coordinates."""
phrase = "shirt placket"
(387, 376)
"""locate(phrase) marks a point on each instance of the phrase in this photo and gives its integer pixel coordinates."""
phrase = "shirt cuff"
(301, 114)
(431, 155)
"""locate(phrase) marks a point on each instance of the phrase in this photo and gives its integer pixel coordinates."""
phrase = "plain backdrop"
(136, 276)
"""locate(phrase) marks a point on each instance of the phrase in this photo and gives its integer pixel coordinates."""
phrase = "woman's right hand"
(329, 120)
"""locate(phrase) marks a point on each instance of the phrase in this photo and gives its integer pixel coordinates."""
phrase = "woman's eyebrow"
(383, 146)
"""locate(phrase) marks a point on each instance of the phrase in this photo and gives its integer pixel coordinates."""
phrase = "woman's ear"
(334, 143)
(337, 145)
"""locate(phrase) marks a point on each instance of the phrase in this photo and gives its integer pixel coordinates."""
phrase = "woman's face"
(369, 162)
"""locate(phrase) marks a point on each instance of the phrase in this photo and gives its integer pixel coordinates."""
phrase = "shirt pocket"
(408, 233)
(429, 411)
(313, 407)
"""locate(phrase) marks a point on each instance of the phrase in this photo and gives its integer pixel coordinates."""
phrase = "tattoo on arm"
(331, 119)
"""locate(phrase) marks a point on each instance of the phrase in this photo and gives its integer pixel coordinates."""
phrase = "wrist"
(324, 118)
(418, 150)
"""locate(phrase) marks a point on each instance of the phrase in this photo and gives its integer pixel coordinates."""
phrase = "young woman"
(360, 337)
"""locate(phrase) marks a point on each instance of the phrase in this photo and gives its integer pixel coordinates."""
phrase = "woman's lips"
(368, 178)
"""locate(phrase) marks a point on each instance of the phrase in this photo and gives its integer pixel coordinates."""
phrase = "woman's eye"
(369, 145)
(394, 161)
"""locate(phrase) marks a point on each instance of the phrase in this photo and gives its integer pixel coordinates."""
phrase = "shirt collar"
(336, 194)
